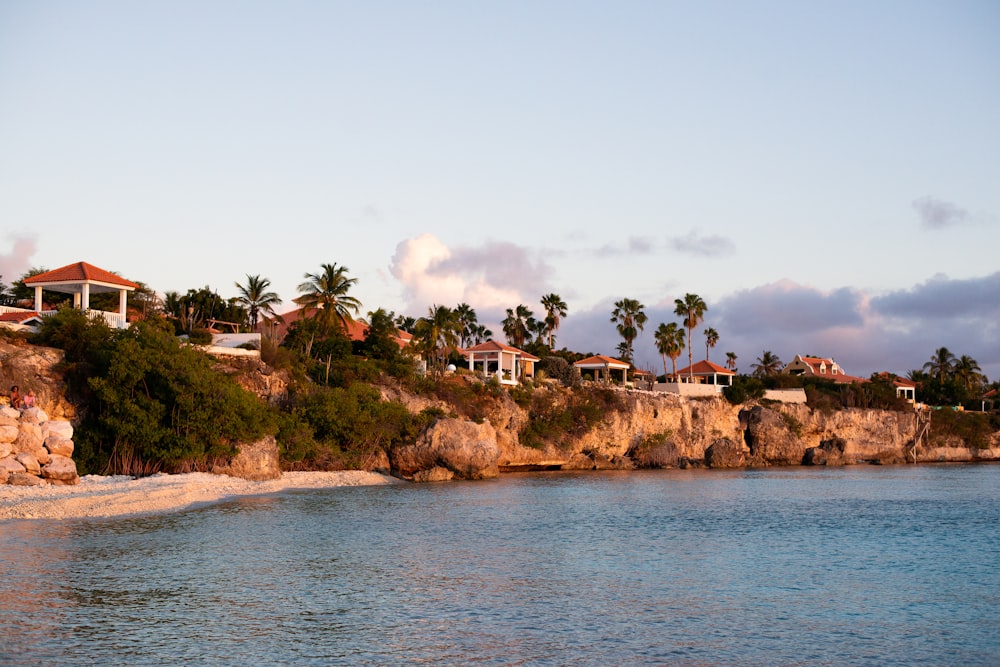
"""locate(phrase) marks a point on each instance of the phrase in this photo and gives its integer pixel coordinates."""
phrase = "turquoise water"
(794, 566)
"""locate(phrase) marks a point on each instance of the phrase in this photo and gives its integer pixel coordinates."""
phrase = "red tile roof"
(19, 317)
(705, 367)
(601, 361)
(78, 273)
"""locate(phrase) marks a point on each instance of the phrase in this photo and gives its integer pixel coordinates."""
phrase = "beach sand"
(97, 496)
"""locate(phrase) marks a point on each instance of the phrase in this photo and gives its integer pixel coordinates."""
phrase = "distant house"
(277, 328)
(80, 280)
(820, 367)
(905, 388)
(507, 363)
(706, 372)
(602, 366)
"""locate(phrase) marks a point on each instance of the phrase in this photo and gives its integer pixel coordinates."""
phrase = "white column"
(122, 303)
(85, 300)
(38, 298)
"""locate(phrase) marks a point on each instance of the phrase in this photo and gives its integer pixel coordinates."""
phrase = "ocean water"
(793, 566)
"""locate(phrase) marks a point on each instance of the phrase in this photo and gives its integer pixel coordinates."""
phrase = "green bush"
(744, 388)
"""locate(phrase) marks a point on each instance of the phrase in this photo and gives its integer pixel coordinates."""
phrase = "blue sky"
(826, 176)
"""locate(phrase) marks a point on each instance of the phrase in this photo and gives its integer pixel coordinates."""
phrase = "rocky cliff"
(663, 430)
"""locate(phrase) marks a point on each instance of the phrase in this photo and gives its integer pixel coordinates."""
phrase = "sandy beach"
(97, 496)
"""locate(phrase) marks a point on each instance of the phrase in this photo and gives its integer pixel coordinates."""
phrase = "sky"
(826, 176)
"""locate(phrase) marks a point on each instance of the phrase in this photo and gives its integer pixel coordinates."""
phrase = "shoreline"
(122, 496)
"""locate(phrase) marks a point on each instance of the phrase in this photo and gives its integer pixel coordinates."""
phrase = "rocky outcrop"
(35, 450)
(725, 453)
(467, 449)
(255, 461)
(783, 435)
(34, 367)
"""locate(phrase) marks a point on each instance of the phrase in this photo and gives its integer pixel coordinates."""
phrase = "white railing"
(113, 320)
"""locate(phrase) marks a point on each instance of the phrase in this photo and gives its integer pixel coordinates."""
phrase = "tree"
(479, 334)
(518, 325)
(711, 339)
(941, 365)
(256, 298)
(692, 308)
(630, 319)
(326, 295)
(406, 323)
(555, 310)
(468, 320)
(437, 334)
(967, 372)
(767, 364)
(731, 361)
(669, 343)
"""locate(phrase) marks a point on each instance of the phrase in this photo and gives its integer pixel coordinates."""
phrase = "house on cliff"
(509, 364)
(821, 367)
(80, 280)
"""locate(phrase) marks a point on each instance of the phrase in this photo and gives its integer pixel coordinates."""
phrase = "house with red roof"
(506, 363)
(820, 367)
(705, 372)
(601, 367)
(277, 328)
(80, 280)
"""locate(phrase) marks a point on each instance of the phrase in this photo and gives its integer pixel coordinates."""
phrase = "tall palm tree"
(731, 361)
(467, 318)
(257, 299)
(479, 334)
(518, 325)
(692, 308)
(326, 294)
(967, 371)
(555, 310)
(438, 334)
(711, 340)
(405, 323)
(767, 364)
(941, 365)
(669, 340)
(629, 317)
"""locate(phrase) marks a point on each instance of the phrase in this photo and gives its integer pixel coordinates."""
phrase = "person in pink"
(29, 399)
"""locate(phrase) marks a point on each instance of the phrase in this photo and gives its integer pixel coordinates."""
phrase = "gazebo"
(81, 280)
(706, 372)
(602, 367)
(509, 363)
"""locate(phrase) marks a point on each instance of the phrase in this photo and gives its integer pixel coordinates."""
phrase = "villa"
(819, 367)
(81, 280)
(507, 363)
(601, 366)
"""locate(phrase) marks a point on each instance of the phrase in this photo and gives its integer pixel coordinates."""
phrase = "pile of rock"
(35, 450)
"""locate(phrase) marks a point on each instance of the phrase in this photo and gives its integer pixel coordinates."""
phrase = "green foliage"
(344, 427)
(145, 402)
(557, 418)
(974, 429)
(744, 388)
(560, 369)
(200, 336)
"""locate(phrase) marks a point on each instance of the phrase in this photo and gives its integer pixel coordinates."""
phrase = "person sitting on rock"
(29, 399)
(15, 397)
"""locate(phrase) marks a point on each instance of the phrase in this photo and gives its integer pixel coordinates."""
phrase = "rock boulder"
(469, 450)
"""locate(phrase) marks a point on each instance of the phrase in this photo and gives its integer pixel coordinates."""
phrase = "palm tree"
(692, 308)
(967, 371)
(942, 364)
(669, 343)
(257, 300)
(630, 319)
(326, 294)
(731, 361)
(767, 364)
(518, 325)
(406, 323)
(711, 339)
(555, 310)
(466, 315)
(438, 333)
(479, 334)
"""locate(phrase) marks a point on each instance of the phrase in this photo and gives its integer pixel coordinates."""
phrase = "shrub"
(744, 388)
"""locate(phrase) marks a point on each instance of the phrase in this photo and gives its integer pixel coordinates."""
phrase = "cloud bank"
(939, 214)
(17, 262)
(491, 277)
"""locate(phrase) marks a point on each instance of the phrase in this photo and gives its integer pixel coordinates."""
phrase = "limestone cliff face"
(467, 449)
(32, 367)
(782, 435)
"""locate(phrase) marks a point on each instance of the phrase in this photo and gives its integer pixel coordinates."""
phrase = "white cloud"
(17, 262)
